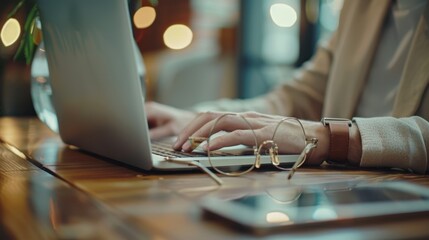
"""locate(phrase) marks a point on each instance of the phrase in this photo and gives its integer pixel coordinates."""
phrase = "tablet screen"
(313, 197)
(292, 206)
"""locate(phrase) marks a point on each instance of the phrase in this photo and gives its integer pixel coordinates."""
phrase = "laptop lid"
(97, 92)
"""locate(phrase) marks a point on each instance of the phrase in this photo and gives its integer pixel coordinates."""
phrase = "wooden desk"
(49, 191)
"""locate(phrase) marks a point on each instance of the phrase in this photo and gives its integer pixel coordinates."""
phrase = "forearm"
(300, 97)
(379, 142)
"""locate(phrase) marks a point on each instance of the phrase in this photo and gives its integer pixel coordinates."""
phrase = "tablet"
(281, 208)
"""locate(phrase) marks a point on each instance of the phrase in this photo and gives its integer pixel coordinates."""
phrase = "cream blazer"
(331, 84)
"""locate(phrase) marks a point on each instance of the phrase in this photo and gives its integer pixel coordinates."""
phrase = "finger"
(199, 121)
(226, 122)
(245, 137)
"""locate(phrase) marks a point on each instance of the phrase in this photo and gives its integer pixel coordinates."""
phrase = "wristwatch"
(338, 138)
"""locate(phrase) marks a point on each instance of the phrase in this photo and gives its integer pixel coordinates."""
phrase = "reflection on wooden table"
(49, 190)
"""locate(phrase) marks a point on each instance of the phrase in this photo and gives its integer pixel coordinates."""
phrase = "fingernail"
(187, 147)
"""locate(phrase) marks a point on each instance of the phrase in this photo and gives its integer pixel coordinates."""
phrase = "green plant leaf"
(153, 2)
(27, 44)
(16, 8)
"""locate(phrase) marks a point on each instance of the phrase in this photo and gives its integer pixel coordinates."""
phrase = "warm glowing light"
(331, 10)
(283, 15)
(15, 150)
(144, 17)
(177, 36)
(10, 32)
(277, 217)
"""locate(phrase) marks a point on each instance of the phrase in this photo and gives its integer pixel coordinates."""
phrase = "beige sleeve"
(301, 96)
(395, 142)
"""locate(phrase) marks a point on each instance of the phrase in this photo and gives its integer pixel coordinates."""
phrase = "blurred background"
(195, 50)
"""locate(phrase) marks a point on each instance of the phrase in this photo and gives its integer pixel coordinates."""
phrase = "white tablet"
(281, 208)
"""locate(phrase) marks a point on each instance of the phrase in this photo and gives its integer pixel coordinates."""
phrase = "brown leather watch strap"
(339, 138)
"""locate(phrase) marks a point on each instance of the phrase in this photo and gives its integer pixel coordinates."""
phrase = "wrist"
(320, 153)
(339, 139)
(340, 142)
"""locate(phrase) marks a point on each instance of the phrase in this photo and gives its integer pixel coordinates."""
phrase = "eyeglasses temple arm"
(312, 143)
(200, 166)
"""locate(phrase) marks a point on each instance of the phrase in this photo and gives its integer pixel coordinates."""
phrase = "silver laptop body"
(97, 92)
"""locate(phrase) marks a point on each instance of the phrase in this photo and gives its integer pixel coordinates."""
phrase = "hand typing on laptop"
(288, 136)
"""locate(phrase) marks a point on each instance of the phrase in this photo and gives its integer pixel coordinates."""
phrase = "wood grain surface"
(52, 191)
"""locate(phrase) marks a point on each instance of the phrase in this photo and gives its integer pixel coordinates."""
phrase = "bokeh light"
(10, 32)
(144, 17)
(283, 15)
(277, 217)
(331, 11)
(177, 36)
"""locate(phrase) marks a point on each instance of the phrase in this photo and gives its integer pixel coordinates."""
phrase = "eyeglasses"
(266, 152)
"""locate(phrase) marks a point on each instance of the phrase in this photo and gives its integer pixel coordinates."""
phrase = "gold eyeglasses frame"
(309, 145)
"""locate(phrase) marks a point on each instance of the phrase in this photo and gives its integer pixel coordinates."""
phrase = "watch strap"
(338, 138)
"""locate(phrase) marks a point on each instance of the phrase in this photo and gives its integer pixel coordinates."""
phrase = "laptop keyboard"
(164, 149)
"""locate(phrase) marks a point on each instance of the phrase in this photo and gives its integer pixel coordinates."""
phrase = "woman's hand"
(166, 121)
(289, 135)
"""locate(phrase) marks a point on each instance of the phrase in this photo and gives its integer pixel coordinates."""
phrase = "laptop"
(97, 91)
